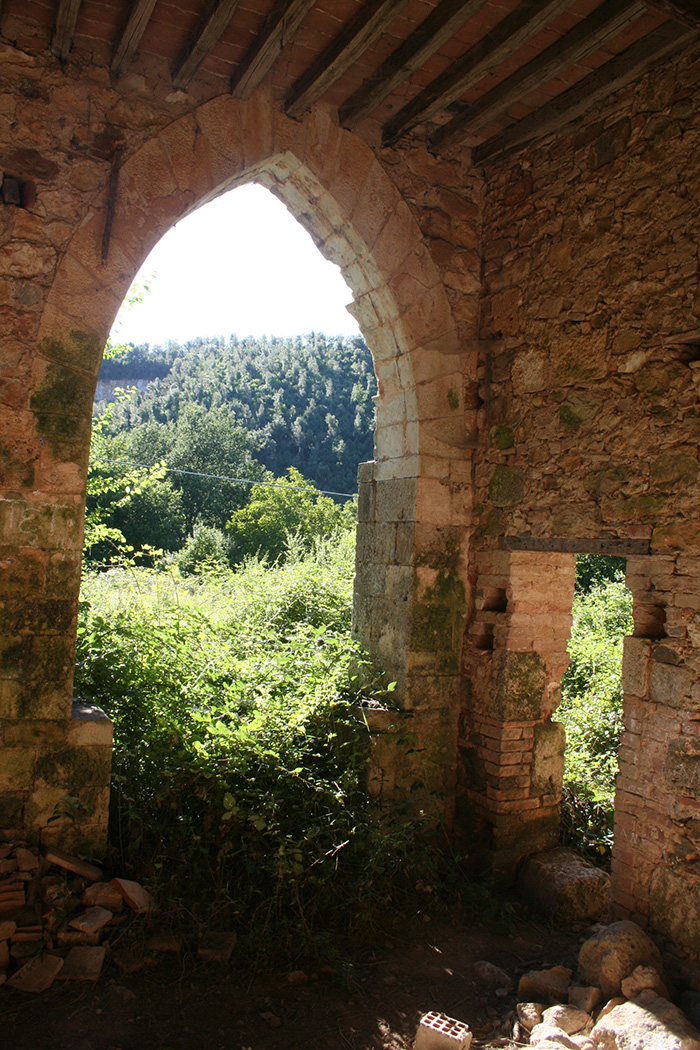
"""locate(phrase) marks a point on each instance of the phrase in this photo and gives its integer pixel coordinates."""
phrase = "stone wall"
(589, 434)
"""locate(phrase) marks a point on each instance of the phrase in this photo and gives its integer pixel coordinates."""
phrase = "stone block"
(669, 686)
(89, 725)
(547, 772)
(543, 986)
(17, 768)
(682, 770)
(610, 956)
(563, 887)
(648, 1021)
(520, 686)
(635, 665)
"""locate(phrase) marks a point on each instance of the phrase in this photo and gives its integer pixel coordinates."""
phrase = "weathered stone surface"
(568, 1018)
(70, 863)
(37, 975)
(92, 920)
(530, 1014)
(544, 985)
(138, 899)
(103, 895)
(649, 1021)
(562, 885)
(584, 998)
(614, 953)
(644, 977)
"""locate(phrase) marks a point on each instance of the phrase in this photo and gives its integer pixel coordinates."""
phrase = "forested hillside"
(293, 412)
(304, 402)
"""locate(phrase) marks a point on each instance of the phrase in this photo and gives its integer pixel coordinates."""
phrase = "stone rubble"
(620, 958)
(62, 926)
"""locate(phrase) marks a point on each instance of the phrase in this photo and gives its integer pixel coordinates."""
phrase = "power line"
(221, 477)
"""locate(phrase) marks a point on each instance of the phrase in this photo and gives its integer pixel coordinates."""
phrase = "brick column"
(512, 753)
(656, 857)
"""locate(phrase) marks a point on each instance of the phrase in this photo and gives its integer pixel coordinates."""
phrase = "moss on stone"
(507, 487)
(80, 349)
(453, 398)
(568, 417)
(503, 437)
(521, 687)
(62, 408)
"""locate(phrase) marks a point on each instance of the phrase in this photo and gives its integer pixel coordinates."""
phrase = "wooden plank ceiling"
(490, 74)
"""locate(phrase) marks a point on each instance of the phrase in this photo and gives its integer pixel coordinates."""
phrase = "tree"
(290, 507)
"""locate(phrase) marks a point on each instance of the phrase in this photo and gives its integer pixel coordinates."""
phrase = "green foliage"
(240, 750)
(289, 508)
(304, 402)
(205, 550)
(591, 708)
(594, 570)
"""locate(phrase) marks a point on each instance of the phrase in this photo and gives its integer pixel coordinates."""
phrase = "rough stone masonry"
(535, 327)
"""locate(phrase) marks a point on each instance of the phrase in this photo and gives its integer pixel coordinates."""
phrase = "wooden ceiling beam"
(528, 18)
(351, 42)
(66, 18)
(279, 30)
(130, 37)
(588, 35)
(614, 75)
(685, 11)
(439, 27)
(203, 41)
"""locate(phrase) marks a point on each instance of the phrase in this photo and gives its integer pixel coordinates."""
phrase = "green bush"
(205, 549)
(240, 750)
(591, 710)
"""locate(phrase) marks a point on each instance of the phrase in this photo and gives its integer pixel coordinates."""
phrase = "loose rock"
(614, 953)
(642, 978)
(585, 998)
(530, 1014)
(38, 974)
(544, 985)
(563, 886)
(647, 1022)
(568, 1018)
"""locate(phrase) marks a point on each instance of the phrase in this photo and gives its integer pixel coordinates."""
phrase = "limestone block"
(669, 685)
(89, 725)
(564, 887)
(610, 956)
(568, 1018)
(17, 768)
(648, 1021)
(635, 665)
(548, 759)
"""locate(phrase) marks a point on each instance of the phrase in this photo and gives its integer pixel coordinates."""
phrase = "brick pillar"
(512, 753)
(656, 857)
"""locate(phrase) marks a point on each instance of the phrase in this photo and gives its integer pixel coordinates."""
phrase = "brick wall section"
(512, 752)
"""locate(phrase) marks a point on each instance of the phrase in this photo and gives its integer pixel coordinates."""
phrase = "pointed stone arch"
(414, 497)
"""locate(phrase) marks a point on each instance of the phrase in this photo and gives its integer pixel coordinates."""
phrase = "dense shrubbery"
(240, 748)
(591, 707)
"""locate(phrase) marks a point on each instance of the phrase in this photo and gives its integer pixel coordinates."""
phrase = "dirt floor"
(372, 1002)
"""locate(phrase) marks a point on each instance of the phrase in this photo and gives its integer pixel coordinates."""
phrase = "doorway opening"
(591, 705)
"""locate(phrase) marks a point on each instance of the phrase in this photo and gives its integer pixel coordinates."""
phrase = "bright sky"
(241, 264)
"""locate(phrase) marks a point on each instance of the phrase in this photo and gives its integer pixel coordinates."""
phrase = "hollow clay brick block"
(438, 1032)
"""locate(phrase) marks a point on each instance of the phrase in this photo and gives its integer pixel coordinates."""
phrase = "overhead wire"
(222, 477)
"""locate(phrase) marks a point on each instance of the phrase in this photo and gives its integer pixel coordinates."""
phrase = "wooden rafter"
(588, 35)
(685, 11)
(278, 31)
(620, 71)
(130, 37)
(440, 25)
(351, 42)
(66, 18)
(204, 39)
(528, 18)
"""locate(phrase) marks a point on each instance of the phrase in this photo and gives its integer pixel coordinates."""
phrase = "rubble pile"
(620, 999)
(58, 917)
